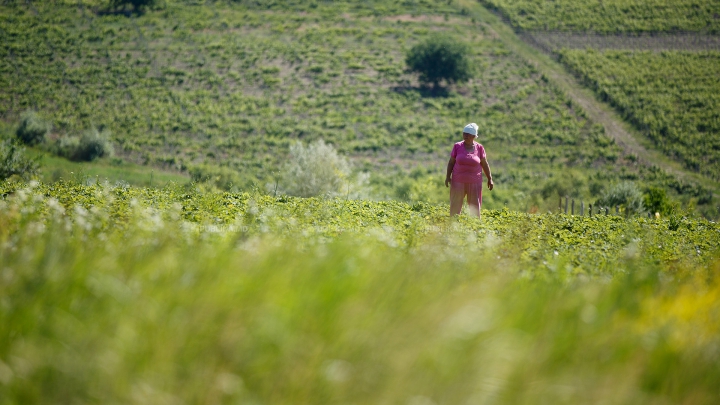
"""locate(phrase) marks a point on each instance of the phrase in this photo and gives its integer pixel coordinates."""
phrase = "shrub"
(13, 161)
(314, 170)
(138, 5)
(625, 194)
(67, 147)
(92, 144)
(222, 178)
(656, 200)
(440, 58)
(32, 129)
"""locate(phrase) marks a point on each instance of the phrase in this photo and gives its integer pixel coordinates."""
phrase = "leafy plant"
(626, 195)
(14, 161)
(656, 201)
(440, 58)
(314, 170)
(92, 144)
(222, 178)
(32, 129)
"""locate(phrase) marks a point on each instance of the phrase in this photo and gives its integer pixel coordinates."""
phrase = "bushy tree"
(13, 161)
(626, 195)
(440, 58)
(313, 170)
(32, 129)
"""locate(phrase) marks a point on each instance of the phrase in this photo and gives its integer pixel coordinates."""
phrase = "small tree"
(14, 162)
(32, 129)
(440, 58)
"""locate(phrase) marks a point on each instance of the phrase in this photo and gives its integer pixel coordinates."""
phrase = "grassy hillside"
(671, 97)
(612, 16)
(116, 294)
(228, 86)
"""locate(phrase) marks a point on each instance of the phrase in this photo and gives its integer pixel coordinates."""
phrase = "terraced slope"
(204, 87)
(611, 16)
(672, 97)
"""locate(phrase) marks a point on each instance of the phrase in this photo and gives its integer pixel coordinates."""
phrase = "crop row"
(672, 97)
(611, 16)
(587, 244)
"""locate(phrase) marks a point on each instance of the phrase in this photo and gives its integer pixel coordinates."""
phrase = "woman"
(464, 172)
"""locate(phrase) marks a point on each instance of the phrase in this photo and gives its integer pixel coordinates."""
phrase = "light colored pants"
(458, 191)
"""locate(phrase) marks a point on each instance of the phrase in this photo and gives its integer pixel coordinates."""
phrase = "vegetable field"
(672, 97)
(612, 16)
(116, 294)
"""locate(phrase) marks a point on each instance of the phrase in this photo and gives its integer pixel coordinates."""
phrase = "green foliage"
(625, 195)
(124, 295)
(14, 162)
(32, 129)
(180, 88)
(672, 97)
(440, 58)
(314, 170)
(656, 201)
(91, 145)
(137, 5)
(222, 178)
(611, 16)
(94, 144)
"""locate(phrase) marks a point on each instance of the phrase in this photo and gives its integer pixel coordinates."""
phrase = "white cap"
(471, 128)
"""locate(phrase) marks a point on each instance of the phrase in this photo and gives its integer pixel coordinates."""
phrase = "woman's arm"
(486, 169)
(450, 165)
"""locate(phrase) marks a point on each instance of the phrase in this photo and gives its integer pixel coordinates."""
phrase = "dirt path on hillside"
(632, 142)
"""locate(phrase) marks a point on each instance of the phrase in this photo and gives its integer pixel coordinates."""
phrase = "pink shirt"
(467, 167)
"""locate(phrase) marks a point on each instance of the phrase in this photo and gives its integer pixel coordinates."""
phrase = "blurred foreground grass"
(125, 301)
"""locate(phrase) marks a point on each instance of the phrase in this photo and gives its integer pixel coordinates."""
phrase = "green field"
(202, 89)
(117, 294)
(176, 272)
(671, 97)
(612, 16)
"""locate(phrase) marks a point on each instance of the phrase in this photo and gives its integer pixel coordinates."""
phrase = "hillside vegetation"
(671, 97)
(116, 294)
(221, 90)
(612, 16)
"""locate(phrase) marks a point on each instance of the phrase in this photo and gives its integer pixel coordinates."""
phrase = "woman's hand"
(490, 184)
(447, 181)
